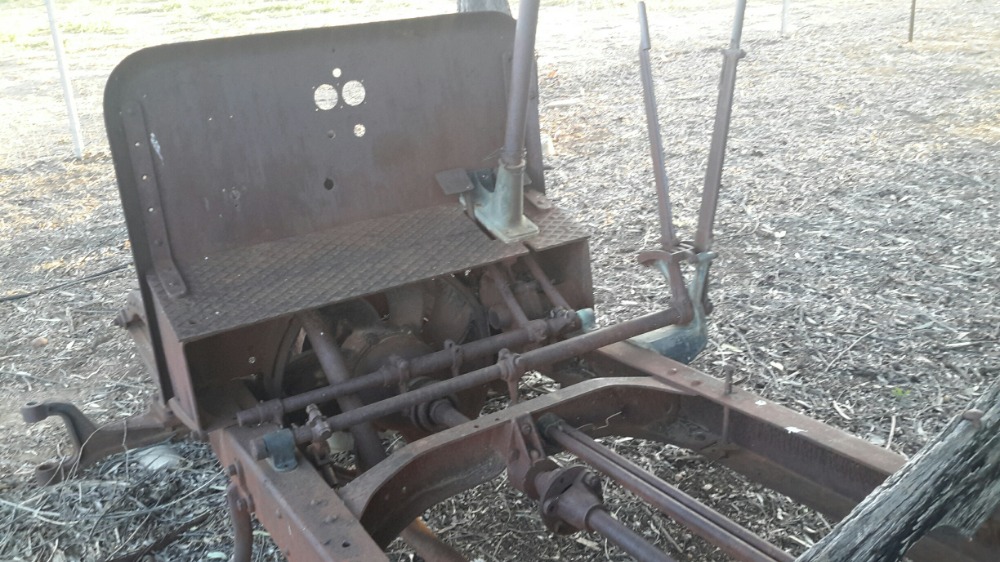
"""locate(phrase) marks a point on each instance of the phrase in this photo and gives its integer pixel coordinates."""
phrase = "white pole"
(784, 17)
(74, 122)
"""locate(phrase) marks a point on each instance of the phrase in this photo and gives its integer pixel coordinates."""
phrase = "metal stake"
(74, 122)
(784, 17)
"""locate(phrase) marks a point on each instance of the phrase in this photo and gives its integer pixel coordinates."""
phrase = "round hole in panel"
(353, 92)
(337, 72)
(359, 130)
(325, 97)
(328, 184)
(331, 134)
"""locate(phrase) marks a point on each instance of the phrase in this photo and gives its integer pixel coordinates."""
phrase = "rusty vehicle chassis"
(317, 269)
(659, 400)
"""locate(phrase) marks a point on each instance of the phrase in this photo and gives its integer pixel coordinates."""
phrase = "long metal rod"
(720, 134)
(552, 353)
(67, 86)
(600, 521)
(913, 19)
(369, 446)
(418, 366)
(520, 83)
(545, 283)
(701, 519)
(239, 515)
(537, 358)
(503, 287)
(668, 236)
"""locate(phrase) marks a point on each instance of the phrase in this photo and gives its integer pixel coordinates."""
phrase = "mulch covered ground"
(856, 280)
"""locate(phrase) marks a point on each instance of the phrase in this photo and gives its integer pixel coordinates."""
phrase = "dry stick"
(163, 541)
(36, 513)
(892, 431)
(954, 481)
(846, 349)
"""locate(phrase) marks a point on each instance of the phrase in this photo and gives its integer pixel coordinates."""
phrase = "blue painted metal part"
(684, 342)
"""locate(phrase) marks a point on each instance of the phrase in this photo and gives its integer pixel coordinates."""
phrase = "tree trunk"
(484, 6)
(952, 484)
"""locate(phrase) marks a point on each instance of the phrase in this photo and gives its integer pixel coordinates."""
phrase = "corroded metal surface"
(266, 178)
(247, 285)
(556, 227)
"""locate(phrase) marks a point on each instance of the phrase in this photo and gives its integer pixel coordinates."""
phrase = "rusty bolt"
(526, 429)
(591, 481)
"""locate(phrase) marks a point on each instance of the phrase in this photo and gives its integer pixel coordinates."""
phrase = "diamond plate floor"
(249, 285)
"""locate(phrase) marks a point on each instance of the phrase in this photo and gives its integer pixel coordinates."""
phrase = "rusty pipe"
(703, 520)
(503, 287)
(239, 514)
(552, 353)
(443, 413)
(601, 522)
(545, 283)
(580, 506)
(366, 440)
(520, 84)
(369, 447)
(390, 374)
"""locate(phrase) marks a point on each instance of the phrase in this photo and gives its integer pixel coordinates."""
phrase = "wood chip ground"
(857, 277)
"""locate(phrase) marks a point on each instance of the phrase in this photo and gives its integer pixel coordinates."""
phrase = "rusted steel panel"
(306, 519)
(248, 285)
(827, 456)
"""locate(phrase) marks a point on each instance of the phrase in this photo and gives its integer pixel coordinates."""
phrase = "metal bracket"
(500, 207)
(142, 144)
(683, 343)
(526, 456)
(279, 447)
(92, 443)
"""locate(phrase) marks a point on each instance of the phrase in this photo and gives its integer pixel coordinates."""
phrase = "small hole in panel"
(345, 544)
(337, 73)
(328, 184)
(331, 134)
(325, 97)
(359, 130)
(150, 209)
(353, 92)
